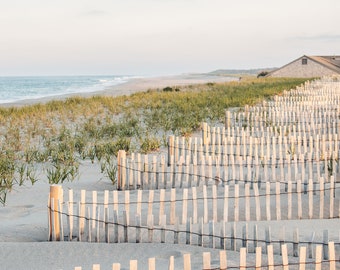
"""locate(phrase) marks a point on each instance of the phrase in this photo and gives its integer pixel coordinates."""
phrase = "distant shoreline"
(132, 86)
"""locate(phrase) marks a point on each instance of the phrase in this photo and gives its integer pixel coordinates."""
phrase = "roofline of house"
(331, 64)
(309, 57)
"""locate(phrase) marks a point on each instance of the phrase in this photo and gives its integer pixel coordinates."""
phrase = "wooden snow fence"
(151, 171)
(307, 109)
(245, 261)
(292, 137)
(281, 117)
(204, 216)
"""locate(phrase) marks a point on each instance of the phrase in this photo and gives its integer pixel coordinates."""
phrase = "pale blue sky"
(154, 37)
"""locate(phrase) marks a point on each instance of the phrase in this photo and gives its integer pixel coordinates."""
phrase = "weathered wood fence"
(274, 161)
(193, 215)
(234, 202)
(293, 137)
(245, 261)
(151, 171)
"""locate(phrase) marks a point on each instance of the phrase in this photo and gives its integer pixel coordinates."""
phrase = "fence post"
(55, 197)
(205, 133)
(127, 205)
(205, 205)
(289, 191)
(322, 197)
(270, 257)
(161, 204)
(243, 258)
(268, 206)
(121, 169)
(154, 182)
(285, 257)
(133, 264)
(187, 261)
(302, 260)
(226, 200)
(79, 223)
(70, 213)
(278, 202)
(139, 202)
(247, 202)
(194, 204)
(172, 206)
(145, 176)
(227, 119)
(223, 260)
(318, 257)
(236, 202)
(171, 263)
(162, 178)
(171, 145)
(257, 203)
(331, 196)
(116, 266)
(89, 226)
(214, 203)
(94, 209)
(331, 249)
(185, 206)
(152, 263)
(258, 260)
(310, 198)
(299, 195)
(206, 261)
(150, 202)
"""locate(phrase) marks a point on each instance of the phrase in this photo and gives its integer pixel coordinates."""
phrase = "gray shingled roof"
(331, 62)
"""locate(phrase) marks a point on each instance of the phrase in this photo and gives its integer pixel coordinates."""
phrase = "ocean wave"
(14, 89)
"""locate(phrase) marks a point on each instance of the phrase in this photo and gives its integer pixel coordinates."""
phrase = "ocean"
(14, 89)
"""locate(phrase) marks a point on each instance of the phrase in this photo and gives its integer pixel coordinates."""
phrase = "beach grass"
(61, 133)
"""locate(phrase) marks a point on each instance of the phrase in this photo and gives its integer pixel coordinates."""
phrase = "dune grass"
(60, 134)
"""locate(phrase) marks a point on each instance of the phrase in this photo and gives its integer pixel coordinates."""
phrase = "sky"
(161, 37)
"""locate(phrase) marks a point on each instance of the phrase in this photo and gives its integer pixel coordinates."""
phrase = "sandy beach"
(24, 227)
(24, 222)
(24, 234)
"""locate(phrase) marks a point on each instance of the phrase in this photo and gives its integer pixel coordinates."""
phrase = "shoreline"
(130, 87)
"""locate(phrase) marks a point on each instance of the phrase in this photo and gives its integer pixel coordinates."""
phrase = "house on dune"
(309, 66)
